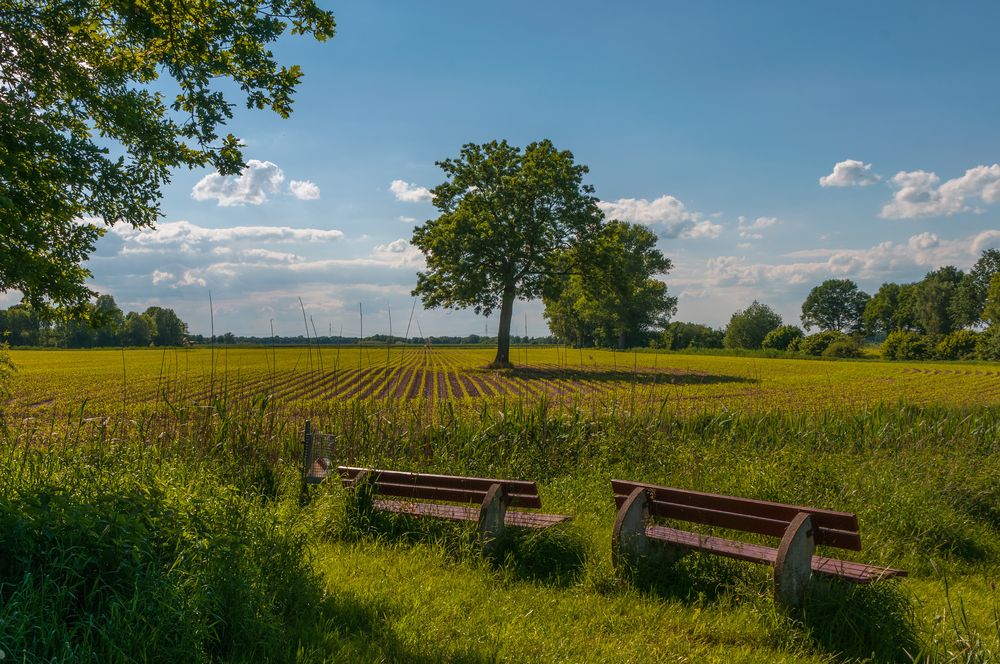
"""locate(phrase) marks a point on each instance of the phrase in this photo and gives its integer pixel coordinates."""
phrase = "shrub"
(104, 563)
(988, 344)
(960, 345)
(815, 344)
(782, 338)
(679, 335)
(842, 348)
(906, 345)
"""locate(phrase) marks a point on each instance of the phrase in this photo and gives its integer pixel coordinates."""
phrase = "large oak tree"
(506, 215)
(101, 99)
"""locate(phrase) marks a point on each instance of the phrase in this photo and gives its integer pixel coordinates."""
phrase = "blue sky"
(711, 123)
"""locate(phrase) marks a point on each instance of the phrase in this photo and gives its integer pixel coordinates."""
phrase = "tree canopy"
(611, 295)
(966, 308)
(101, 100)
(506, 217)
(749, 327)
(933, 298)
(836, 304)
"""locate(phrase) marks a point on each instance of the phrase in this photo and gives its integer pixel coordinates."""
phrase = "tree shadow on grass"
(345, 628)
(643, 376)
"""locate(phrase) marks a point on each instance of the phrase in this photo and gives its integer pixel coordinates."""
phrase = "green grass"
(178, 532)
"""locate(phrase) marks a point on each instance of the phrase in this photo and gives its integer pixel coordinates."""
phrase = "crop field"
(182, 468)
(679, 383)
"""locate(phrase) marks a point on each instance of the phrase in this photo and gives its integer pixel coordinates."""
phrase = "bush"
(781, 338)
(679, 336)
(101, 562)
(906, 345)
(960, 345)
(816, 344)
(842, 348)
(988, 344)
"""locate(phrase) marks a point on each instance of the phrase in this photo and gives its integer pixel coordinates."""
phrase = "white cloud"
(922, 252)
(304, 190)
(409, 193)
(850, 173)
(699, 229)
(251, 187)
(750, 229)
(408, 220)
(272, 256)
(667, 213)
(919, 194)
(159, 277)
(190, 278)
(191, 238)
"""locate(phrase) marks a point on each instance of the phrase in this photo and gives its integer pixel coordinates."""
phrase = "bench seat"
(766, 555)
(511, 519)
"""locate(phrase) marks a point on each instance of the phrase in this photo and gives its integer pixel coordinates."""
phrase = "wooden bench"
(492, 498)
(801, 530)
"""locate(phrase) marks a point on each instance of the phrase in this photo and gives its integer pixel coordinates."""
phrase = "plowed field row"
(56, 380)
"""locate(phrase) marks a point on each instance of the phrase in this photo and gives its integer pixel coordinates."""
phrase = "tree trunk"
(502, 360)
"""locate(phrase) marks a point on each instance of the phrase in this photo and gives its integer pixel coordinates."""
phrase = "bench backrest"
(837, 529)
(451, 488)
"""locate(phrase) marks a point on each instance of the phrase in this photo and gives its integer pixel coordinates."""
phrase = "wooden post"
(793, 566)
(629, 543)
(491, 515)
(307, 449)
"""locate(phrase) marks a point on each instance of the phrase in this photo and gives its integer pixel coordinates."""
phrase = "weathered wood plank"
(445, 481)
(823, 518)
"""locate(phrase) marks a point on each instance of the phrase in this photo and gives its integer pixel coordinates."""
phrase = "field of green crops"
(151, 507)
(680, 383)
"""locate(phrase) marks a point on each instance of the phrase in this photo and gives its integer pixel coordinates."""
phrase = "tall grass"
(178, 533)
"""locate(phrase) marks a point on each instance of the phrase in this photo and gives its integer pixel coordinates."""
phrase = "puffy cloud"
(304, 190)
(919, 194)
(191, 238)
(191, 278)
(408, 220)
(919, 253)
(159, 277)
(850, 173)
(272, 256)
(409, 193)
(666, 213)
(251, 187)
(750, 229)
(699, 229)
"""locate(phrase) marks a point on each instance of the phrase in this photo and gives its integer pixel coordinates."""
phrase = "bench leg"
(629, 543)
(361, 494)
(793, 566)
(491, 516)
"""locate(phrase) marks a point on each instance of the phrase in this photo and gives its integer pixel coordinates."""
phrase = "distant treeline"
(948, 315)
(103, 323)
(229, 338)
